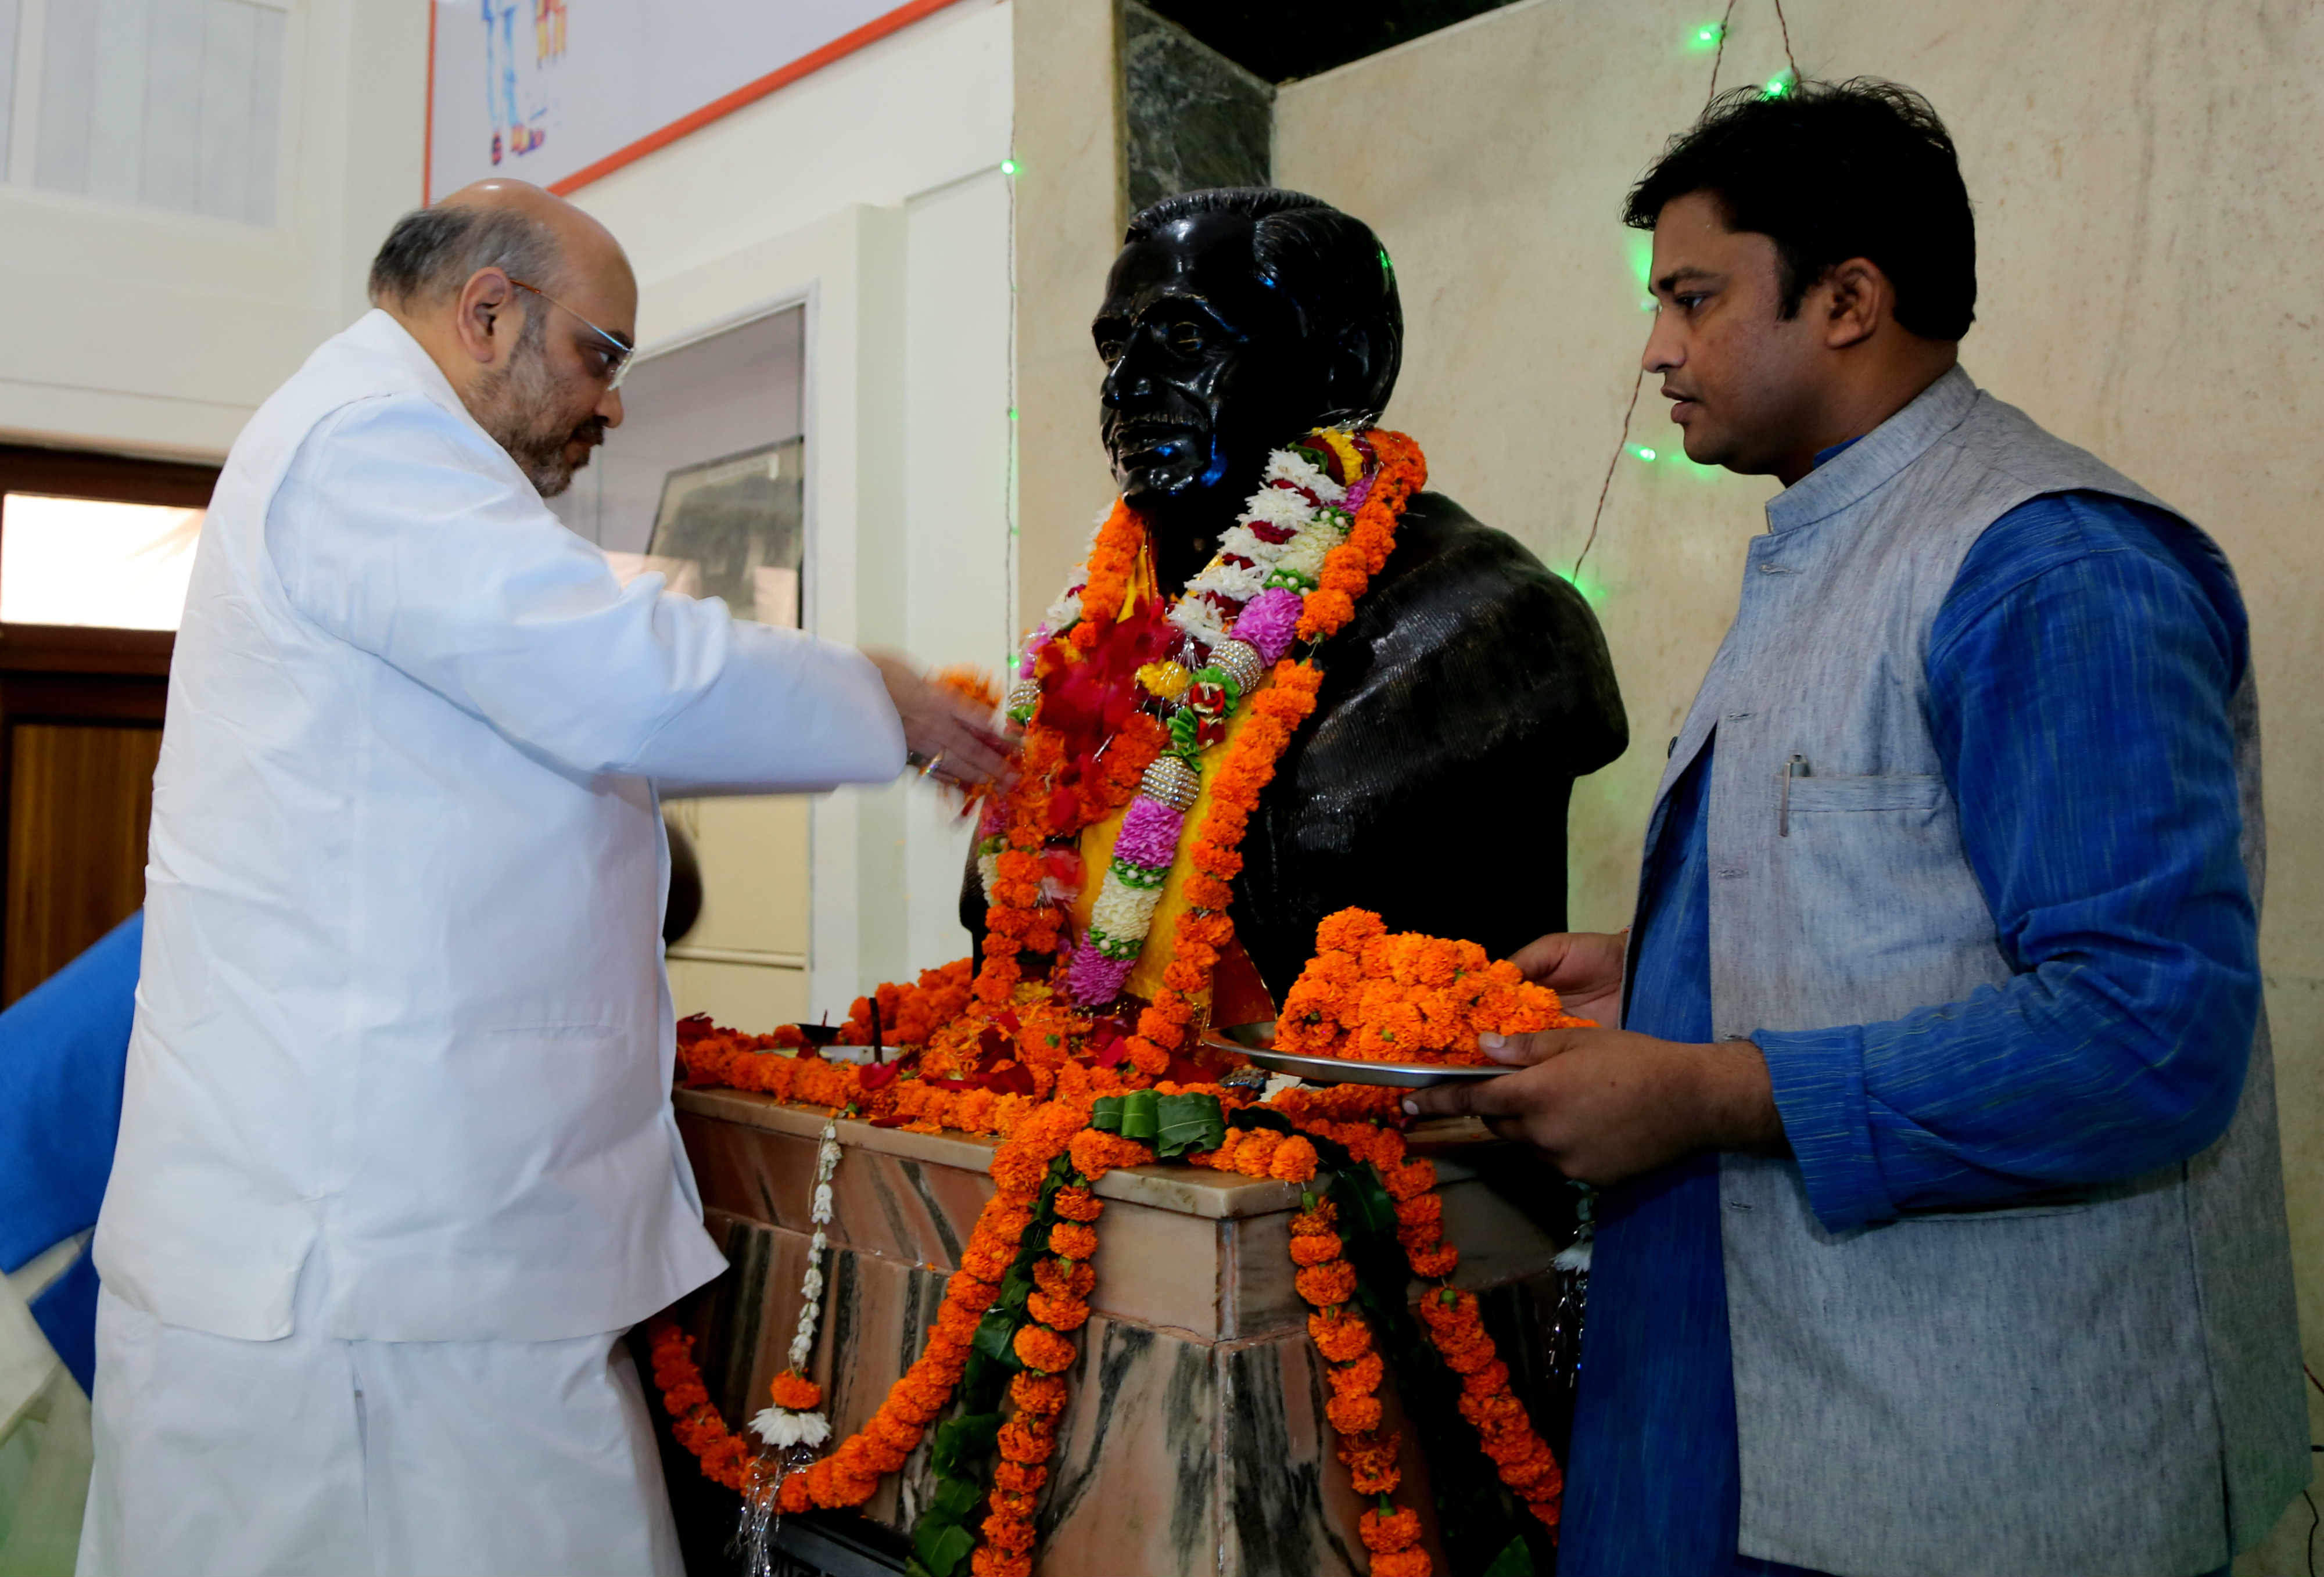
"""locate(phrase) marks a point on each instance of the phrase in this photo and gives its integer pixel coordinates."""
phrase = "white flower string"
(781, 1426)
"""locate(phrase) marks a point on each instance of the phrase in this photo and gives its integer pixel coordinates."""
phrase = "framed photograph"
(735, 528)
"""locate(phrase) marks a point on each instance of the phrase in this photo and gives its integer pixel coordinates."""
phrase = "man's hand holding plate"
(1606, 1104)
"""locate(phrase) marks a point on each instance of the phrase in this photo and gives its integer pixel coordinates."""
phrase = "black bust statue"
(1472, 685)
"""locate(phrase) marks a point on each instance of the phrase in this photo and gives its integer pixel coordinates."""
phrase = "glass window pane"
(169, 104)
(88, 561)
(735, 528)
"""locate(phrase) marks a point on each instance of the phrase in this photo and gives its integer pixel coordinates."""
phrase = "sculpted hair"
(1827, 171)
(433, 252)
(1329, 265)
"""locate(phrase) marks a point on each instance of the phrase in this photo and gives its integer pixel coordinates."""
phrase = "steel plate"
(1334, 1070)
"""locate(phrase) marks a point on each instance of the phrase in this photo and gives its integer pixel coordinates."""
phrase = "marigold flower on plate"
(1348, 930)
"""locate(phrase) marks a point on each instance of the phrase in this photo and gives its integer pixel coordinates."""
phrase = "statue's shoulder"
(1448, 560)
(1465, 633)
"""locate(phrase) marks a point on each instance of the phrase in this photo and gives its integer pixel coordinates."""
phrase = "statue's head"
(1234, 320)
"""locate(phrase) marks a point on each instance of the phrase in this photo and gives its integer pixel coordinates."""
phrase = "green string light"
(1009, 167)
(1643, 452)
(1706, 37)
(1777, 86)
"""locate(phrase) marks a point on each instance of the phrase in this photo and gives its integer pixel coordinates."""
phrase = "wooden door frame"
(116, 478)
(82, 675)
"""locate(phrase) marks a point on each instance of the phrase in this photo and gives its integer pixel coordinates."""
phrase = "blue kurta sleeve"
(2079, 672)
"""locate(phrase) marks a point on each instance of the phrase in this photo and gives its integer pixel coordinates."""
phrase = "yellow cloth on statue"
(1097, 853)
(1098, 839)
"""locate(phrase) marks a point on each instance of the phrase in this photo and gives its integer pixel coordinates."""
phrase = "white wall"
(871, 190)
(137, 330)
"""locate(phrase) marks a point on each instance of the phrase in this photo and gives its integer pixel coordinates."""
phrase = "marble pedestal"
(1195, 1442)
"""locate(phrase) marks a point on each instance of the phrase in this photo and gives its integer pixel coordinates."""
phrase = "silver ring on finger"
(931, 764)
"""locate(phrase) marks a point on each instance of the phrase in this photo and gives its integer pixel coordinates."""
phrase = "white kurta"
(403, 1003)
(311, 1457)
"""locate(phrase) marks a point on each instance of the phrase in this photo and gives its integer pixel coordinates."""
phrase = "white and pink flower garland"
(1239, 616)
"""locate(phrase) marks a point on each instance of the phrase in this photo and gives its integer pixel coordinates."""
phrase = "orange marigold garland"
(1354, 1374)
(1064, 1278)
(725, 1459)
(849, 1475)
(1203, 929)
(1348, 569)
(1234, 621)
(1520, 1457)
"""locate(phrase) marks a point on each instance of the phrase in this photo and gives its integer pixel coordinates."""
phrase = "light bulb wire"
(1638, 385)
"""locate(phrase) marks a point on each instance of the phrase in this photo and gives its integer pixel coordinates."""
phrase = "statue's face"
(1207, 371)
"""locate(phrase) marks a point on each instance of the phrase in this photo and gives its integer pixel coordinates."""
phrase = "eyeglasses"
(617, 358)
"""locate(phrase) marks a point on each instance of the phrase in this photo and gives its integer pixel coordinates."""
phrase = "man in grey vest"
(1944, 1225)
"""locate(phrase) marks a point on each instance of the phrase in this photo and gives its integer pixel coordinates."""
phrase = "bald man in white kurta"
(396, 1162)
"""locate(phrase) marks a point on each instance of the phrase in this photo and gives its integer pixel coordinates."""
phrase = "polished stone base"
(1195, 1441)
